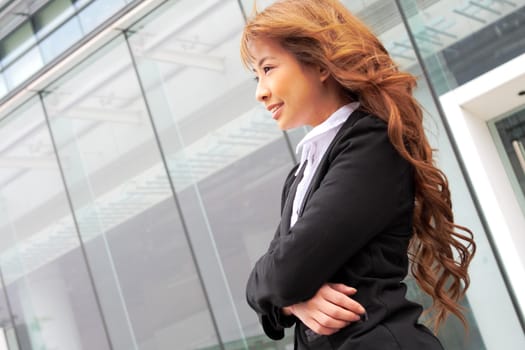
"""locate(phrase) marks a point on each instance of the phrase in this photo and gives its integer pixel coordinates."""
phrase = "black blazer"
(354, 228)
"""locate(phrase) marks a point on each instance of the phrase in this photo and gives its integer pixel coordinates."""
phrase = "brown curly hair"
(326, 34)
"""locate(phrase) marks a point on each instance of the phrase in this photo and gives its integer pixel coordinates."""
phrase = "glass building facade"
(140, 180)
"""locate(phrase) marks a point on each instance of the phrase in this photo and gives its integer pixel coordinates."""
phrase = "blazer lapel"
(324, 164)
(286, 214)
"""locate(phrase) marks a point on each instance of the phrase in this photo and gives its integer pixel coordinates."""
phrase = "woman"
(365, 197)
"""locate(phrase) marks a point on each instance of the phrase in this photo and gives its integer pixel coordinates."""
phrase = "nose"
(262, 93)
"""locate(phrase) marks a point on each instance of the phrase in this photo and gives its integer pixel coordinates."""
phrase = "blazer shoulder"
(359, 123)
(360, 119)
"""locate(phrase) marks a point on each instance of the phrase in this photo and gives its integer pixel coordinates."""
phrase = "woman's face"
(295, 94)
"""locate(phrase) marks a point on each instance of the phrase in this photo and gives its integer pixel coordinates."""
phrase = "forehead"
(263, 48)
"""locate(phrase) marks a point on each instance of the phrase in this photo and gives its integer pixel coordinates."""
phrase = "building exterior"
(139, 179)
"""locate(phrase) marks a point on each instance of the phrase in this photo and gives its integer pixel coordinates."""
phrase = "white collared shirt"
(314, 145)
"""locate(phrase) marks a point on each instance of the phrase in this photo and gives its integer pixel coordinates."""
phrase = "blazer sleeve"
(271, 318)
(356, 199)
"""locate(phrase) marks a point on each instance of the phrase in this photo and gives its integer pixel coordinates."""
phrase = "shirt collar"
(334, 120)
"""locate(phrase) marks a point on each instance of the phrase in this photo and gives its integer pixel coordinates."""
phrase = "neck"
(333, 100)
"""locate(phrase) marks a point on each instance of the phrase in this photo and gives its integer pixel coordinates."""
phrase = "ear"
(324, 74)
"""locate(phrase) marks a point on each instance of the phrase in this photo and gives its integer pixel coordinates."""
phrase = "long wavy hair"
(326, 34)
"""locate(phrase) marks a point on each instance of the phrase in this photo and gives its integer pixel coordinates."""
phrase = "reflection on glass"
(46, 34)
(170, 267)
(61, 39)
(7, 342)
(3, 86)
(97, 12)
(16, 43)
(23, 67)
(227, 158)
(50, 16)
(142, 265)
(80, 3)
(46, 278)
(461, 40)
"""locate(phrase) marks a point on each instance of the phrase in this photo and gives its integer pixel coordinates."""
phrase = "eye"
(265, 70)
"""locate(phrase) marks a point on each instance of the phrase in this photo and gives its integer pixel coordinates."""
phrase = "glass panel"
(295, 136)
(3, 86)
(23, 67)
(135, 241)
(16, 43)
(97, 12)
(3, 341)
(248, 5)
(80, 3)
(226, 155)
(6, 324)
(51, 16)
(461, 40)
(10, 338)
(45, 274)
(509, 135)
(61, 39)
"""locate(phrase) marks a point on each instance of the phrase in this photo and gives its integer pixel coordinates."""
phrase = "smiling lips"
(274, 108)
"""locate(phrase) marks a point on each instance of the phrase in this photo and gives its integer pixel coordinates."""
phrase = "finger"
(338, 313)
(314, 315)
(328, 321)
(344, 301)
(343, 288)
(320, 329)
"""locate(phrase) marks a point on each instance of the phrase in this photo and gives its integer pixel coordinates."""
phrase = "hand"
(329, 310)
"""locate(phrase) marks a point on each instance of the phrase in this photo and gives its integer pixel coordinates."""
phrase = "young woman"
(365, 196)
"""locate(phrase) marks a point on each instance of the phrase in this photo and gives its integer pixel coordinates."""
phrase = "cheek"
(307, 95)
